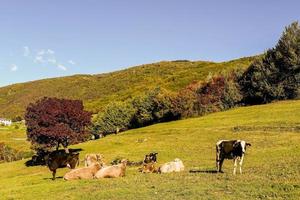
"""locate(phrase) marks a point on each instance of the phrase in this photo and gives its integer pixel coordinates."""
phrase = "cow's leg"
(217, 157)
(241, 163)
(53, 174)
(220, 165)
(235, 160)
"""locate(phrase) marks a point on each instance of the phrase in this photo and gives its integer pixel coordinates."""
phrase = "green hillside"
(271, 166)
(97, 90)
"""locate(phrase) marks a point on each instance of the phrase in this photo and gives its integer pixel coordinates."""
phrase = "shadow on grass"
(205, 171)
(58, 177)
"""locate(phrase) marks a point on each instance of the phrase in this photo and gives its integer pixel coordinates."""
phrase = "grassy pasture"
(14, 136)
(271, 167)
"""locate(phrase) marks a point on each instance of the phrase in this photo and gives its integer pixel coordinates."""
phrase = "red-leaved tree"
(52, 122)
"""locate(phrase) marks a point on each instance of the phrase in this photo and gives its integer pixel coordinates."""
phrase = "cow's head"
(72, 160)
(240, 146)
(99, 157)
(152, 157)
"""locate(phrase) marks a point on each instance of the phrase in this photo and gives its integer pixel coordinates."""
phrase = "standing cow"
(60, 159)
(230, 149)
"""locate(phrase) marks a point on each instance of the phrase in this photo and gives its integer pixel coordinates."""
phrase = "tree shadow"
(38, 160)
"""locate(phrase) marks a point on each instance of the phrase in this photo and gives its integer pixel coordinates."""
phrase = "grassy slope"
(97, 90)
(14, 137)
(271, 167)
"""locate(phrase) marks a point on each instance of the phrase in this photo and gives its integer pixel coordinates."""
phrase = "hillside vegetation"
(271, 166)
(97, 90)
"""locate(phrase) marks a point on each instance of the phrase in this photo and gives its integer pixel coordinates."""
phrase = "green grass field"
(271, 166)
(14, 136)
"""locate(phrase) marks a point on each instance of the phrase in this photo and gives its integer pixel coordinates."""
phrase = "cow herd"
(96, 168)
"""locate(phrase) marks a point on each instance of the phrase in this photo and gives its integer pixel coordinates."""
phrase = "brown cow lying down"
(93, 158)
(148, 168)
(174, 166)
(112, 171)
(83, 173)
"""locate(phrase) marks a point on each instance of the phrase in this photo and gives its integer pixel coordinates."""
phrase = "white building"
(5, 122)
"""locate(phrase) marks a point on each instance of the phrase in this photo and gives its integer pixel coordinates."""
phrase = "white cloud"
(47, 57)
(72, 62)
(26, 51)
(41, 52)
(50, 51)
(52, 60)
(39, 59)
(13, 67)
(62, 67)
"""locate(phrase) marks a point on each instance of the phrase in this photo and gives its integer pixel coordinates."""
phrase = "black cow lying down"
(230, 149)
(61, 159)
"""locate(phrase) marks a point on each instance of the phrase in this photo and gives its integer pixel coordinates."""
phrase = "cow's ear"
(248, 144)
(98, 156)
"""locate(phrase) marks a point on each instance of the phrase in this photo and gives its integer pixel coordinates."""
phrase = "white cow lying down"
(173, 166)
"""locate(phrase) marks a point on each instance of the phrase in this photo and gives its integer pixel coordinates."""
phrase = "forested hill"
(98, 90)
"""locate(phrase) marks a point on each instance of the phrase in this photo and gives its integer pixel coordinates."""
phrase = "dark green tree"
(276, 75)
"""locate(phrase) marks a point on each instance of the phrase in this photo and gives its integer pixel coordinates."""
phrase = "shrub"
(158, 105)
(8, 154)
(219, 93)
(186, 101)
(115, 117)
(17, 119)
(164, 106)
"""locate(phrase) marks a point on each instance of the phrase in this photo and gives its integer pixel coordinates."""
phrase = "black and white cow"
(150, 158)
(230, 149)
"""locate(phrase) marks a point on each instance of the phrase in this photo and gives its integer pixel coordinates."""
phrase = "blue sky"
(41, 39)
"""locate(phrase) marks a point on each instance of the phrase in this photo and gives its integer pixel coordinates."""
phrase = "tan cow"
(113, 171)
(148, 168)
(83, 173)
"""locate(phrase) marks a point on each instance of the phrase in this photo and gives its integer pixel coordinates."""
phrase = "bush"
(17, 119)
(186, 101)
(158, 105)
(164, 106)
(116, 117)
(8, 154)
(219, 93)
